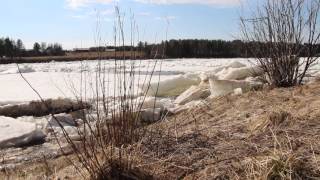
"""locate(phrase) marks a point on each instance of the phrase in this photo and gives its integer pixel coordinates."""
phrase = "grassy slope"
(258, 135)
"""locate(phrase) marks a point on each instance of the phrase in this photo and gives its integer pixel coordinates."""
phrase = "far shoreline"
(91, 56)
(75, 57)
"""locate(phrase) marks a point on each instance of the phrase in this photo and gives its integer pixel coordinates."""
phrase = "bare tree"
(284, 36)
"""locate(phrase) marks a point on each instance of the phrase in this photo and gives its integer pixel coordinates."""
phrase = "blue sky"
(73, 22)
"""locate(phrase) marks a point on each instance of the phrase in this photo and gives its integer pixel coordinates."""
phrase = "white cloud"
(103, 15)
(75, 4)
(204, 2)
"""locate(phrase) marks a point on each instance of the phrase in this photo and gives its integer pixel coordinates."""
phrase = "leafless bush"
(113, 122)
(116, 117)
(284, 36)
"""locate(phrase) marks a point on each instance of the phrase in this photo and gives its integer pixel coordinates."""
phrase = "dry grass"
(270, 134)
(277, 131)
(46, 168)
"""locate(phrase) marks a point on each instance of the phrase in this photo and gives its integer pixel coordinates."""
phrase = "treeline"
(189, 48)
(210, 49)
(10, 48)
(45, 49)
(204, 49)
(194, 48)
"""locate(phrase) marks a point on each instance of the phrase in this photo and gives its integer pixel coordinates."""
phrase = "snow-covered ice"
(70, 79)
(16, 133)
(62, 79)
(11, 128)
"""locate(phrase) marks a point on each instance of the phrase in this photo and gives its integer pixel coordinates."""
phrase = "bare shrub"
(112, 124)
(284, 37)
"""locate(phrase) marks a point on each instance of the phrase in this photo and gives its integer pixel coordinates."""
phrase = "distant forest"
(194, 48)
(15, 48)
(189, 48)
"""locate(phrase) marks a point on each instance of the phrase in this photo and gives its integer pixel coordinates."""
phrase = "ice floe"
(15, 133)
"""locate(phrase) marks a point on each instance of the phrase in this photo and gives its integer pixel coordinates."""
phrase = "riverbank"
(76, 57)
(272, 133)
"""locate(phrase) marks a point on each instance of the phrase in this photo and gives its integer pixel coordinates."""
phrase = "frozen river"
(65, 79)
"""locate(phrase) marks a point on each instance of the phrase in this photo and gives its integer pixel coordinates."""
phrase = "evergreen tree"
(8, 47)
(36, 48)
(2, 51)
(19, 48)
